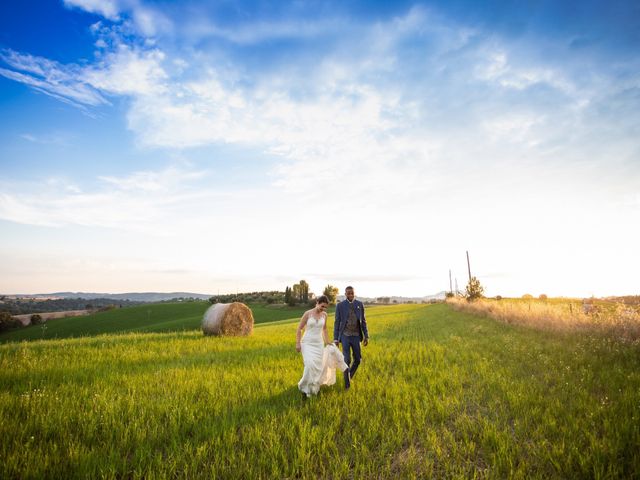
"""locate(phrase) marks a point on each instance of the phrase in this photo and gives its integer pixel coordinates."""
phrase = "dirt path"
(26, 318)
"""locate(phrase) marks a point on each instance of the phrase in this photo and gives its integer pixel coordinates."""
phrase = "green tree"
(474, 290)
(287, 295)
(331, 293)
(304, 291)
(296, 293)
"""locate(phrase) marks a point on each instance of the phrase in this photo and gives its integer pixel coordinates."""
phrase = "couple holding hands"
(321, 357)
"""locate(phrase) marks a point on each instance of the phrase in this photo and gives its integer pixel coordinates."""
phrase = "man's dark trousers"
(351, 343)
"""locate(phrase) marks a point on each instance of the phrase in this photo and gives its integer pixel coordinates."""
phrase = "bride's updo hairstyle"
(322, 299)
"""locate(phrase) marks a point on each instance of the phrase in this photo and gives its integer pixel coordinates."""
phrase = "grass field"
(157, 317)
(440, 394)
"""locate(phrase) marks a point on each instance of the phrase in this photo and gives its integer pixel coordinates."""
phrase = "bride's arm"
(301, 325)
(325, 335)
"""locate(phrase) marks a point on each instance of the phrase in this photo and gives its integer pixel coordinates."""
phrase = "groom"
(350, 329)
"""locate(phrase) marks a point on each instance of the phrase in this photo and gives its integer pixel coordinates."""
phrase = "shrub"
(292, 301)
(474, 290)
(36, 319)
(7, 322)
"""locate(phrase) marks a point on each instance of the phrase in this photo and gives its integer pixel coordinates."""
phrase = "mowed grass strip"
(439, 394)
(156, 317)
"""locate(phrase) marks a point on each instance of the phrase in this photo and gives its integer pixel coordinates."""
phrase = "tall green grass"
(439, 394)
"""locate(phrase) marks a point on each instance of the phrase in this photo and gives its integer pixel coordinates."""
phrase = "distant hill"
(146, 297)
(153, 297)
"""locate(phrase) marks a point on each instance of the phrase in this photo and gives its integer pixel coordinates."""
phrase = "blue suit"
(350, 343)
(342, 314)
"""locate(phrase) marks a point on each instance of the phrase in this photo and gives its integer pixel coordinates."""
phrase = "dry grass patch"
(612, 319)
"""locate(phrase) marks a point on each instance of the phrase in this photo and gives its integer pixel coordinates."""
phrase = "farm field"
(154, 317)
(440, 394)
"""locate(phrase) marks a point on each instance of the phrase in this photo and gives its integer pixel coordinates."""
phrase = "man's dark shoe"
(347, 380)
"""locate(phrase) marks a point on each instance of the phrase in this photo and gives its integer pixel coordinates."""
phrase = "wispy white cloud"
(125, 71)
(52, 78)
(257, 32)
(57, 138)
(150, 21)
(514, 128)
(498, 68)
(146, 19)
(107, 8)
(163, 181)
(142, 201)
(128, 72)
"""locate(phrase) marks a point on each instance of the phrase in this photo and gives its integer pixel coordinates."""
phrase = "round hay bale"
(233, 319)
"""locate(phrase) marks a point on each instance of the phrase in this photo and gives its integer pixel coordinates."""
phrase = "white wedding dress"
(320, 362)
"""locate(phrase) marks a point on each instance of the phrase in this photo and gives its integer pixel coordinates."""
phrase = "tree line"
(269, 298)
(21, 306)
(297, 294)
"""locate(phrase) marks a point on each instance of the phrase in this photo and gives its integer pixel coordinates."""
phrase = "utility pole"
(450, 284)
(468, 265)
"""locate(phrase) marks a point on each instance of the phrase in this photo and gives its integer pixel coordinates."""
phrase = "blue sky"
(236, 146)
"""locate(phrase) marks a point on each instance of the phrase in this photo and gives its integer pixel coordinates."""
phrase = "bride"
(320, 357)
